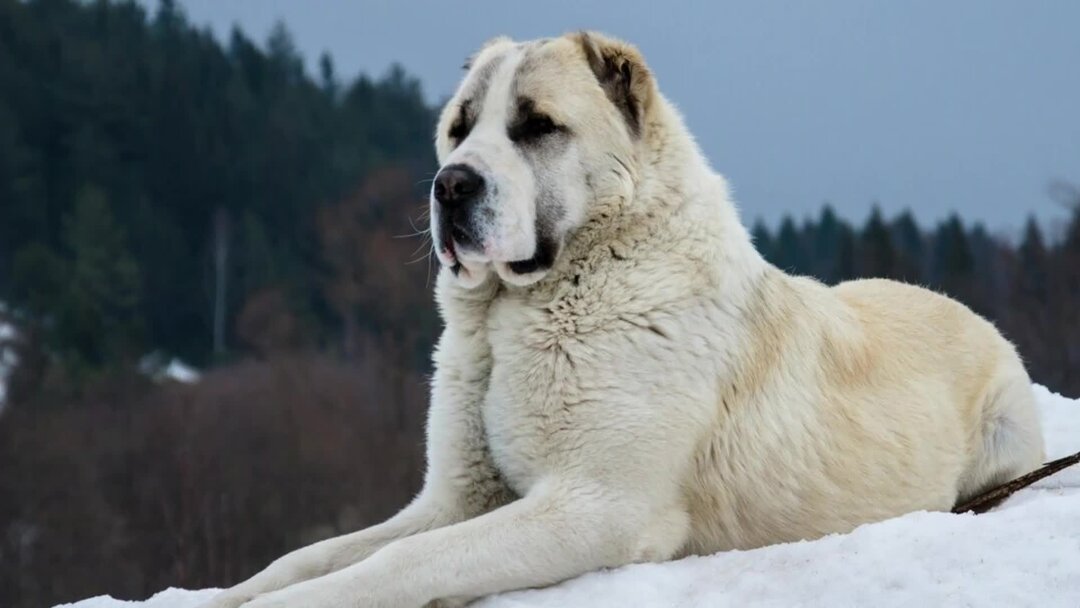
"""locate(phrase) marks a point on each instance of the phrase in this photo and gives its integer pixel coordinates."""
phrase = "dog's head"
(535, 134)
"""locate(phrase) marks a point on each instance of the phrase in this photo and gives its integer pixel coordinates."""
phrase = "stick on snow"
(991, 498)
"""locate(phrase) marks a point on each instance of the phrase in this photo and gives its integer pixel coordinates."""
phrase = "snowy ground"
(1025, 553)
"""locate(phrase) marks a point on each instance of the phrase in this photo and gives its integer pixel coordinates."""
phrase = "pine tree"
(327, 77)
(845, 254)
(826, 250)
(953, 266)
(762, 239)
(99, 318)
(909, 248)
(876, 257)
(790, 256)
(1032, 280)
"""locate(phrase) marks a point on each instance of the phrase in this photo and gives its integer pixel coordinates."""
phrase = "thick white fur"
(664, 391)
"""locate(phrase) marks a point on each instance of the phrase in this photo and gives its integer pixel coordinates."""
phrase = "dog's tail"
(993, 497)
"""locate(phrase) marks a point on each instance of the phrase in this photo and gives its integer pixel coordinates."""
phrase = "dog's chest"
(525, 413)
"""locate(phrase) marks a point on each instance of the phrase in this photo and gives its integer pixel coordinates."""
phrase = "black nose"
(457, 184)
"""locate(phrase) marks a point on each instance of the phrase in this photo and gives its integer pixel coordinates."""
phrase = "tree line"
(161, 190)
(154, 180)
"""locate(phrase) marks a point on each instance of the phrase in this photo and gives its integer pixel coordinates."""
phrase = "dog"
(622, 377)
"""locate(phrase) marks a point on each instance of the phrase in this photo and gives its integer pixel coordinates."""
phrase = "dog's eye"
(533, 127)
(459, 130)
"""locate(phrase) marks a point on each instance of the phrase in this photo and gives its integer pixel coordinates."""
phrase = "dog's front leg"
(556, 532)
(461, 481)
(329, 555)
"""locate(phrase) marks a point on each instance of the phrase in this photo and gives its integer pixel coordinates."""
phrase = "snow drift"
(1024, 553)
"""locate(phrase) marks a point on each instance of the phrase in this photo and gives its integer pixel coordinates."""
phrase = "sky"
(970, 106)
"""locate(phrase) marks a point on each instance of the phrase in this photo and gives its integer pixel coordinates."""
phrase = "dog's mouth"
(451, 239)
(448, 252)
(454, 240)
(543, 259)
(451, 244)
(458, 250)
(518, 267)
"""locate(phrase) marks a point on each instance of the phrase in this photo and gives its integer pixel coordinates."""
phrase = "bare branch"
(991, 498)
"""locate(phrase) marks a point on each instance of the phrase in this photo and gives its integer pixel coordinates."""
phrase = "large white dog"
(622, 378)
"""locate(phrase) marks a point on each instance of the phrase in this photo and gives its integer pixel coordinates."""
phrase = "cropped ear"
(471, 59)
(623, 75)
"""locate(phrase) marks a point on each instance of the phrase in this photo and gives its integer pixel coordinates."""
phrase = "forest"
(168, 195)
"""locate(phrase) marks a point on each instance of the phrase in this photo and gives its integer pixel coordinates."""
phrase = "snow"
(161, 367)
(181, 372)
(1024, 553)
(8, 358)
(170, 598)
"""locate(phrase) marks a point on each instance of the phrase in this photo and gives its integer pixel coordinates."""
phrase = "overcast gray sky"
(966, 105)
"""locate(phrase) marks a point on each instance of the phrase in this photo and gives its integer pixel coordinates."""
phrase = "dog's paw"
(309, 595)
(227, 599)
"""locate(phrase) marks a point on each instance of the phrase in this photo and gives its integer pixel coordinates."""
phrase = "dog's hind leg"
(1011, 438)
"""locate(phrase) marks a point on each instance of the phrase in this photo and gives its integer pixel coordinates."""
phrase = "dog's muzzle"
(457, 190)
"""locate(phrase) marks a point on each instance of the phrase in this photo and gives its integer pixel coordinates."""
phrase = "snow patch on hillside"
(8, 358)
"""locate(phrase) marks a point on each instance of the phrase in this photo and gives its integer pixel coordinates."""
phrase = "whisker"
(416, 231)
(431, 259)
(424, 241)
(426, 256)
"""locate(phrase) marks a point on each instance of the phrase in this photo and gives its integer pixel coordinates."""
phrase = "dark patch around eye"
(461, 126)
(530, 125)
(532, 128)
